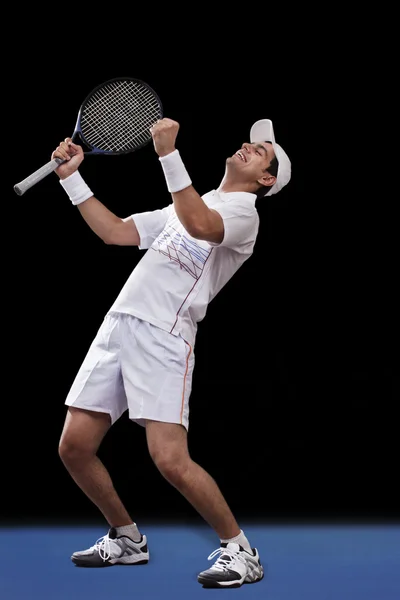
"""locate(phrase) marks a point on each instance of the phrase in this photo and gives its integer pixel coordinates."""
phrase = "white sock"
(131, 531)
(240, 539)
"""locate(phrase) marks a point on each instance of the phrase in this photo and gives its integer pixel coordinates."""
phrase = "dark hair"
(272, 170)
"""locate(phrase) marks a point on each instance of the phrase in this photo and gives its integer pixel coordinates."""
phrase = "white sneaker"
(112, 550)
(234, 567)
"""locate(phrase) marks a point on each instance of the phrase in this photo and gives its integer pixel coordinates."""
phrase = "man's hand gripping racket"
(115, 118)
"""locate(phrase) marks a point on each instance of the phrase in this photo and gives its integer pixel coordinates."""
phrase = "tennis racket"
(115, 118)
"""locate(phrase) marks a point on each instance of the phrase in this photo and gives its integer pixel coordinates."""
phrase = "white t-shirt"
(179, 275)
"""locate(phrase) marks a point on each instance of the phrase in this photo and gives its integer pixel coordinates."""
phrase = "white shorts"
(133, 365)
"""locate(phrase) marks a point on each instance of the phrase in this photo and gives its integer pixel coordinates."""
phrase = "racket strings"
(124, 120)
(118, 116)
(122, 115)
(140, 113)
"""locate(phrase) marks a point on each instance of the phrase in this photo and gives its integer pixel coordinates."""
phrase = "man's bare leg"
(82, 435)
(168, 448)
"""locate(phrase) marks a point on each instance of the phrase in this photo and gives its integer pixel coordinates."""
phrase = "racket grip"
(24, 185)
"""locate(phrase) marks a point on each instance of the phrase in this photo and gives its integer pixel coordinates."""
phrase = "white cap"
(263, 131)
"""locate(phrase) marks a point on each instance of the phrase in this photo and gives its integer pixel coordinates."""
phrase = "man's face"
(251, 162)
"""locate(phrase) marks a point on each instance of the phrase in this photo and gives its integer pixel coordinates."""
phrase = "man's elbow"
(208, 234)
(109, 242)
(194, 227)
(211, 229)
(123, 233)
(111, 237)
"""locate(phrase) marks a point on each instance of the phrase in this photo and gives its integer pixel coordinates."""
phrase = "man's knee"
(167, 443)
(71, 450)
(171, 462)
(82, 434)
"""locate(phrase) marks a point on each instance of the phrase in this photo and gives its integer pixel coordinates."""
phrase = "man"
(142, 358)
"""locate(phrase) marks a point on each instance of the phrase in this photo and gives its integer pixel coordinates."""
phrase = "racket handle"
(21, 187)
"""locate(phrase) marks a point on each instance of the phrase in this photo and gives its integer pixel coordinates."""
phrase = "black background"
(296, 386)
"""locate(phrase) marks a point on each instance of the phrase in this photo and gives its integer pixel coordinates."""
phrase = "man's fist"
(164, 134)
(70, 152)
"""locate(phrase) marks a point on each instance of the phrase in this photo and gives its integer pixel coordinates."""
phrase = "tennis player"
(142, 357)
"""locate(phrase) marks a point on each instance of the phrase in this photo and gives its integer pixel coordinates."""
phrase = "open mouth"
(240, 154)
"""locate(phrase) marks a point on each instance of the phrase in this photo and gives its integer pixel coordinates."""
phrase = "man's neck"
(227, 186)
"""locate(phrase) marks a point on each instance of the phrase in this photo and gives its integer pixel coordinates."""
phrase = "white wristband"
(175, 173)
(76, 188)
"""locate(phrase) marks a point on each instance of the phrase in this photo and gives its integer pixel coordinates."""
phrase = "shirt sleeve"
(150, 224)
(241, 223)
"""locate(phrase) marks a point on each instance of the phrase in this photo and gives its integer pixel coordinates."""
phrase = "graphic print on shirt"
(189, 254)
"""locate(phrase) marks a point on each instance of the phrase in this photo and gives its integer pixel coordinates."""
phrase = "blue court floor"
(315, 562)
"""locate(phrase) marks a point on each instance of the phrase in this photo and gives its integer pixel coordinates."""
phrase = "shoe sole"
(86, 564)
(208, 583)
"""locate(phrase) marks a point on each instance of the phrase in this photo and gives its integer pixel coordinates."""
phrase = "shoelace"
(103, 547)
(222, 564)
